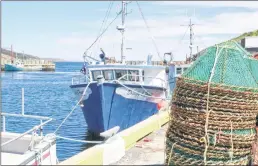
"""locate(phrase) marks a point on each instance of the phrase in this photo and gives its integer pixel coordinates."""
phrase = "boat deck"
(11, 158)
(148, 151)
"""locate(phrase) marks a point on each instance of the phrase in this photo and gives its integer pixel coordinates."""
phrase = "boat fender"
(109, 133)
(160, 104)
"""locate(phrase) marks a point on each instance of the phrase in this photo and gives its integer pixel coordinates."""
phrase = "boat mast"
(123, 22)
(190, 25)
(22, 56)
(122, 30)
(191, 38)
(12, 54)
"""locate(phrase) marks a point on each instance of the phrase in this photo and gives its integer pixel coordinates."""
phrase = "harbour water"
(46, 94)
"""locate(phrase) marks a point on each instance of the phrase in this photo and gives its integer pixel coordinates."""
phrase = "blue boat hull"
(10, 67)
(107, 105)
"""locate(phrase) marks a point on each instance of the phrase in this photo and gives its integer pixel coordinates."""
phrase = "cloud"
(226, 23)
(168, 34)
(212, 4)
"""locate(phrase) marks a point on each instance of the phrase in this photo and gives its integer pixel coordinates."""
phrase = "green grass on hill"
(239, 38)
(247, 34)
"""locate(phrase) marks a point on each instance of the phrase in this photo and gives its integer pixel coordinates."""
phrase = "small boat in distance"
(115, 96)
(14, 67)
(19, 66)
(26, 63)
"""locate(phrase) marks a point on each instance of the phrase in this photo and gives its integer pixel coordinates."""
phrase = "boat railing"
(33, 129)
(129, 78)
(79, 79)
(140, 79)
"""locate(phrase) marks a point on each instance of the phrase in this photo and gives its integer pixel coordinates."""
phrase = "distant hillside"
(27, 56)
(19, 55)
(239, 38)
(247, 34)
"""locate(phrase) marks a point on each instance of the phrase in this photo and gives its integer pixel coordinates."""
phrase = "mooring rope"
(206, 137)
(82, 141)
(171, 151)
(138, 92)
(83, 94)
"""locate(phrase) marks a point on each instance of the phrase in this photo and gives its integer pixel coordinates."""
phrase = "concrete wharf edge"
(114, 149)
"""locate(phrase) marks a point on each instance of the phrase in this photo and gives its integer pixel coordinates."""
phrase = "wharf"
(148, 151)
(46, 66)
(124, 148)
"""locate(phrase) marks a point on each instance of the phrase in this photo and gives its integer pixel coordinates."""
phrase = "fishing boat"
(14, 67)
(18, 64)
(117, 95)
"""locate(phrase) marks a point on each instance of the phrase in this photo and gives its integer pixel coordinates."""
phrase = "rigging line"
(83, 94)
(106, 16)
(101, 27)
(197, 36)
(105, 21)
(148, 29)
(102, 32)
(180, 41)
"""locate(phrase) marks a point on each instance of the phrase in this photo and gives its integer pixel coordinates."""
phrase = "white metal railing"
(34, 129)
(125, 79)
(80, 79)
(22, 115)
(161, 82)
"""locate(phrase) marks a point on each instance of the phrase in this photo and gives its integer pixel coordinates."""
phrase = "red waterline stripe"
(44, 157)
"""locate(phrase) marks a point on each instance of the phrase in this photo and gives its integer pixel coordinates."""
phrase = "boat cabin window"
(108, 74)
(133, 75)
(185, 68)
(121, 73)
(95, 74)
(142, 75)
(179, 70)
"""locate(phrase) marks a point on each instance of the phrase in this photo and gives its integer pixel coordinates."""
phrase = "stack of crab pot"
(214, 108)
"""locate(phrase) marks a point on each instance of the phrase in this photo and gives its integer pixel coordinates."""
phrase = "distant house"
(251, 45)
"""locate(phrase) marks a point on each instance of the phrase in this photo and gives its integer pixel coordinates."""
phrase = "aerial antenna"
(190, 25)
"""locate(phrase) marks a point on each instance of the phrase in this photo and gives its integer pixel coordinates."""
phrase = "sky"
(66, 29)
